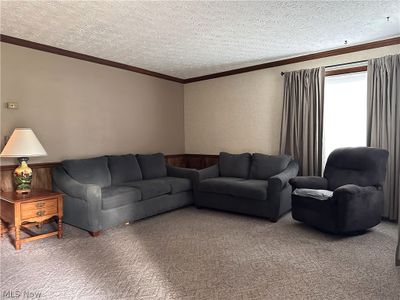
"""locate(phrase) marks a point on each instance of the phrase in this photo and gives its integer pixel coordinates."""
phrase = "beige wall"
(243, 112)
(81, 109)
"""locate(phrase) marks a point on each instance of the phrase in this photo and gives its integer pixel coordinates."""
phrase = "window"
(345, 112)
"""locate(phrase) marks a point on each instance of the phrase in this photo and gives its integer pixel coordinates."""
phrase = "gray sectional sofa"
(106, 191)
(249, 184)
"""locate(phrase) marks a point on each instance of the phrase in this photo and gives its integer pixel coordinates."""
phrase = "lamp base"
(23, 176)
(23, 191)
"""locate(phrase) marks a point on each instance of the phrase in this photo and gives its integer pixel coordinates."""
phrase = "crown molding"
(46, 48)
(317, 55)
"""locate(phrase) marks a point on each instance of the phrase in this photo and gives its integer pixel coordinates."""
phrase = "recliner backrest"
(363, 166)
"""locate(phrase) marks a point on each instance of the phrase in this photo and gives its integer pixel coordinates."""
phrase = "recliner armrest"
(309, 182)
(73, 188)
(348, 192)
(354, 189)
(357, 205)
(280, 180)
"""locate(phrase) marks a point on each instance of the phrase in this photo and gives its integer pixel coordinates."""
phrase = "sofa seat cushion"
(219, 185)
(178, 184)
(151, 188)
(116, 196)
(253, 189)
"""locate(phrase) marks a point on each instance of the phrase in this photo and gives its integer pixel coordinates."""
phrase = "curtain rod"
(339, 65)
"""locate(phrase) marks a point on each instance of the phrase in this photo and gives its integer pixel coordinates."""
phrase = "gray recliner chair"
(349, 198)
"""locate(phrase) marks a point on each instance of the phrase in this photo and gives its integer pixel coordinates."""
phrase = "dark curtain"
(301, 130)
(384, 123)
(384, 127)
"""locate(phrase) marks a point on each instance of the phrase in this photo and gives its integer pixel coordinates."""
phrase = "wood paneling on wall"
(200, 161)
(42, 172)
(177, 160)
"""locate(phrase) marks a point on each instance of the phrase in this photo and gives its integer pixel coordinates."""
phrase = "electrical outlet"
(12, 105)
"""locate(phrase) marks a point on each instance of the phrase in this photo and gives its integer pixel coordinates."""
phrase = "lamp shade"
(23, 143)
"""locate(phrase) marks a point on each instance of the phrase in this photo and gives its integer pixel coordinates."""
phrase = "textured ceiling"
(188, 39)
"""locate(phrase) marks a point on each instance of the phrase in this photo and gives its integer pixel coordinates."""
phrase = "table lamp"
(22, 144)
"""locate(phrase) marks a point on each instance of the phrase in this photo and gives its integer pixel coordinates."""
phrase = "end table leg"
(60, 228)
(17, 238)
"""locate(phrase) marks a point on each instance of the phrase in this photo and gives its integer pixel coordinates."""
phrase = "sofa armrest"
(73, 188)
(279, 181)
(181, 172)
(210, 172)
(309, 182)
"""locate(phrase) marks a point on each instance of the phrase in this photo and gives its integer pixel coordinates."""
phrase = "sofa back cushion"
(361, 166)
(152, 165)
(264, 166)
(92, 170)
(124, 168)
(234, 165)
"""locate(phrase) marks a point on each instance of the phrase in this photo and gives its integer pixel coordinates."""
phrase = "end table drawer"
(38, 208)
(39, 204)
(29, 214)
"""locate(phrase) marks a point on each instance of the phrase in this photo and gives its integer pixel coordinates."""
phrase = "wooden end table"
(21, 211)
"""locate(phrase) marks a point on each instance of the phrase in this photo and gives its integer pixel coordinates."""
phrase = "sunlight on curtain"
(345, 112)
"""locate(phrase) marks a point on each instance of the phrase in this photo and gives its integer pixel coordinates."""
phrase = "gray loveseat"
(250, 184)
(106, 191)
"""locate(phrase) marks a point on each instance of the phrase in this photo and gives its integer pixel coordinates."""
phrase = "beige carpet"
(204, 254)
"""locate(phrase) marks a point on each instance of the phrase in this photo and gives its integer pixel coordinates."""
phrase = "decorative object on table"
(22, 211)
(23, 144)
